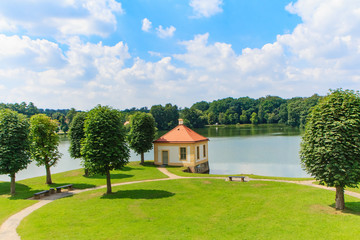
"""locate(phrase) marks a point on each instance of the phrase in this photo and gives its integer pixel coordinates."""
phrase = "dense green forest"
(243, 110)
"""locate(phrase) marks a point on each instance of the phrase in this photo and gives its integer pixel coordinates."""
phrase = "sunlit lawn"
(26, 188)
(180, 172)
(196, 209)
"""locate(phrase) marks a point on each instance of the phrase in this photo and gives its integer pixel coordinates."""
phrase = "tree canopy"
(76, 135)
(104, 147)
(330, 148)
(14, 144)
(44, 142)
(142, 133)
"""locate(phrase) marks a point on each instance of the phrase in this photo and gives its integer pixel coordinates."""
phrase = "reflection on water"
(270, 149)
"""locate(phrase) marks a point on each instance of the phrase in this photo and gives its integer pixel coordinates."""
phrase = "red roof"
(181, 134)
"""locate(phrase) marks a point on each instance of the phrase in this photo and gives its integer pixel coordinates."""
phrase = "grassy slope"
(26, 188)
(179, 171)
(196, 209)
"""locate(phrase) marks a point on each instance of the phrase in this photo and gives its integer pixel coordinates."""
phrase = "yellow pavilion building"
(182, 146)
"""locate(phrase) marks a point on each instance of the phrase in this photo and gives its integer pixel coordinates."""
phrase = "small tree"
(76, 134)
(330, 147)
(142, 133)
(44, 142)
(254, 118)
(14, 144)
(104, 147)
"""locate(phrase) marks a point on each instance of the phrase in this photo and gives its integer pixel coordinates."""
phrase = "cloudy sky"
(134, 53)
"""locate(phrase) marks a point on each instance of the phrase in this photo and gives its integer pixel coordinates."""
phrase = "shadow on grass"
(113, 176)
(350, 208)
(75, 185)
(139, 194)
(22, 191)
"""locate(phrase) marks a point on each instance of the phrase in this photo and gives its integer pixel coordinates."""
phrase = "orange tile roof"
(181, 134)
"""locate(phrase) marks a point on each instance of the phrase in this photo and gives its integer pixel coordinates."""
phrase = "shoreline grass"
(180, 172)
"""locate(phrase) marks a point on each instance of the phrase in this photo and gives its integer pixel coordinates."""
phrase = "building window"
(183, 153)
(198, 152)
(204, 150)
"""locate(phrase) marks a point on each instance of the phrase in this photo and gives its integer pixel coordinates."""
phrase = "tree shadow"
(350, 208)
(139, 194)
(75, 185)
(126, 169)
(22, 191)
(113, 176)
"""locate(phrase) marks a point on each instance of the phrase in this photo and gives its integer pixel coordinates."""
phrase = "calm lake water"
(270, 150)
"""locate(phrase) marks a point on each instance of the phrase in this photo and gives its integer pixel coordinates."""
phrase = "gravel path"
(8, 228)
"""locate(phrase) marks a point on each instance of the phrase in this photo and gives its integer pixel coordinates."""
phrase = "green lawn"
(180, 172)
(26, 188)
(196, 209)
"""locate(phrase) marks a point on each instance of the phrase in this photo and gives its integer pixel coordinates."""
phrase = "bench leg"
(70, 188)
(230, 179)
(37, 196)
(58, 190)
(243, 179)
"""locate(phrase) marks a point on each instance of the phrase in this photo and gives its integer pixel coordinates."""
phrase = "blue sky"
(134, 53)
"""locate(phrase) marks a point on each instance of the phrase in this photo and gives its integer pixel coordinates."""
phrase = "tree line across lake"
(243, 110)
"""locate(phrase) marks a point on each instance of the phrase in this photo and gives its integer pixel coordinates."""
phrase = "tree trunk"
(339, 199)
(108, 182)
(12, 185)
(86, 172)
(142, 158)
(48, 174)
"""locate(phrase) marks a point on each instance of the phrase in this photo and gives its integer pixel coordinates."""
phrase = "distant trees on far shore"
(243, 110)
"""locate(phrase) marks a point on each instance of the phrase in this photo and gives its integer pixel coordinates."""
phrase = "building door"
(165, 157)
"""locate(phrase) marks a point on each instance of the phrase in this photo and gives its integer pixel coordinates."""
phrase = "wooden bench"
(242, 178)
(69, 187)
(38, 194)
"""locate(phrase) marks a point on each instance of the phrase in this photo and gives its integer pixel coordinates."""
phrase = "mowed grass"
(180, 172)
(26, 188)
(196, 209)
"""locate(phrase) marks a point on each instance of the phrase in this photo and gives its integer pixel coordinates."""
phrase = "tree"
(193, 118)
(254, 118)
(14, 144)
(202, 106)
(142, 133)
(104, 147)
(44, 142)
(330, 147)
(70, 116)
(165, 117)
(243, 117)
(76, 134)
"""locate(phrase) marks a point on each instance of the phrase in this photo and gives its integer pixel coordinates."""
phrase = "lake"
(269, 150)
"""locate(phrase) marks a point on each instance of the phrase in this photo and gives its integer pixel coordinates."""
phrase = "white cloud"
(146, 25)
(60, 18)
(206, 8)
(165, 32)
(322, 52)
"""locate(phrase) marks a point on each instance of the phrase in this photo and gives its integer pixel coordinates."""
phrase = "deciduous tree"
(14, 144)
(142, 133)
(44, 142)
(104, 147)
(330, 148)
(76, 135)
